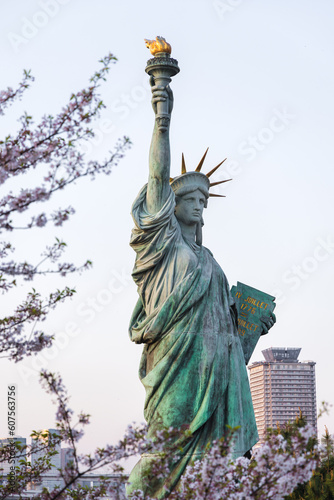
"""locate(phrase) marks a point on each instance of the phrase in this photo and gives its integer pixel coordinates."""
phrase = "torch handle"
(163, 114)
(162, 68)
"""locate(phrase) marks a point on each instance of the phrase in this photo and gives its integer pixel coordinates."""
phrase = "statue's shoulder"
(216, 266)
(208, 251)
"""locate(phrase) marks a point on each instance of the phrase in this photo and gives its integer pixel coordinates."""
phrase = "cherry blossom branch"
(8, 96)
(52, 149)
(287, 458)
(20, 202)
(12, 340)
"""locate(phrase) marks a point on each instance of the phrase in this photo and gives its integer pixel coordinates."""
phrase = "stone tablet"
(251, 304)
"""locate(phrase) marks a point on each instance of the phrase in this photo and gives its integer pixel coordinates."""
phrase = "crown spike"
(217, 195)
(214, 169)
(199, 166)
(219, 182)
(183, 168)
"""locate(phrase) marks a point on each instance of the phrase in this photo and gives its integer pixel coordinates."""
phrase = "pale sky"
(256, 86)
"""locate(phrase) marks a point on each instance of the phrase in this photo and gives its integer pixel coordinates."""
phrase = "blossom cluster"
(273, 472)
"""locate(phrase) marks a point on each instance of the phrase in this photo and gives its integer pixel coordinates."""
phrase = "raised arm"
(159, 159)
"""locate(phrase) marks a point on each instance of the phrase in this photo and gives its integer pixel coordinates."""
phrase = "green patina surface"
(193, 365)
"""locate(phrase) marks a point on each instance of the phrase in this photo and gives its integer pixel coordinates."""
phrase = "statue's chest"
(185, 260)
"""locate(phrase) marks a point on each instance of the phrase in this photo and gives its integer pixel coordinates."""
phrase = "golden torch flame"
(158, 45)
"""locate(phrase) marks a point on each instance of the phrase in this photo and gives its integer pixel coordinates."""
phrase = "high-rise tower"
(281, 387)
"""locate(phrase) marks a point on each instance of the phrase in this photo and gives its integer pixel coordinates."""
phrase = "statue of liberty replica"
(193, 365)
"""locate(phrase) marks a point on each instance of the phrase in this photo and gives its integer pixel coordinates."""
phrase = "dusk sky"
(255, 85)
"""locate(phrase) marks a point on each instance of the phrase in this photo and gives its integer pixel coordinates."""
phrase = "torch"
(161, 67)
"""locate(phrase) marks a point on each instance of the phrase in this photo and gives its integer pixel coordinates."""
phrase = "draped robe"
(192, 367)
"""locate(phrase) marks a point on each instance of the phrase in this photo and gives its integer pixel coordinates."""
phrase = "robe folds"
(192, 367)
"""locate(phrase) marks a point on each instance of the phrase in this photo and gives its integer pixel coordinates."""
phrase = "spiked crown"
(195, 179)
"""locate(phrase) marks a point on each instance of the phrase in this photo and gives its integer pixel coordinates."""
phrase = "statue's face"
(189, 207)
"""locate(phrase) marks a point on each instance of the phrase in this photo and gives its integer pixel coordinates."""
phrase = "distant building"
(43, 441)
(50, 477)
(5, 467)
(66, 457)
(281, 387)
(88, 480)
